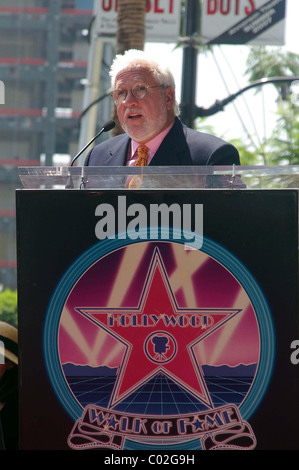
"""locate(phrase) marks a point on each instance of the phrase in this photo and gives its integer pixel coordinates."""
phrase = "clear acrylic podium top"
(154, 177)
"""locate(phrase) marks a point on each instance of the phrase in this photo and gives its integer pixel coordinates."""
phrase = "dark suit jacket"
(181, 146)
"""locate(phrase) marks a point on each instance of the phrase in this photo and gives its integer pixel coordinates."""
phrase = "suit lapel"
(174, 149)
(117, 154)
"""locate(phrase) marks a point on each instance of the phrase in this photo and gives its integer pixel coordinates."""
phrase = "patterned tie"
(142, 155)
(136, 181)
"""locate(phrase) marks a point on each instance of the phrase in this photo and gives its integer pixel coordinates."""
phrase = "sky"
(252, 115)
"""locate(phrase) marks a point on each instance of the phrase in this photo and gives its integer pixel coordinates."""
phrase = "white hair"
(137, 58)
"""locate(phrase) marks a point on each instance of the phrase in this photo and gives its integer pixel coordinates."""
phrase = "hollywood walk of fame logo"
(138, 330)
(147, 345)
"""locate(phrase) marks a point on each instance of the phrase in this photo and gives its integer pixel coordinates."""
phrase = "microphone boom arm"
(106, 127)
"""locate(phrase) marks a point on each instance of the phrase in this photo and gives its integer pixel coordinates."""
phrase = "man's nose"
(130, 99)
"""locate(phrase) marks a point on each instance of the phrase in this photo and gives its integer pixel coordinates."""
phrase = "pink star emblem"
(159, 337)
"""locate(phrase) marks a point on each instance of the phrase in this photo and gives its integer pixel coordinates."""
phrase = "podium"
(160, 319)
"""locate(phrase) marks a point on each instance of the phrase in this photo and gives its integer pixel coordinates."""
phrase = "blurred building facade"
(43, 63)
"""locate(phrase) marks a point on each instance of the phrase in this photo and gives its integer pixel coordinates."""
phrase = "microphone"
(106, 128)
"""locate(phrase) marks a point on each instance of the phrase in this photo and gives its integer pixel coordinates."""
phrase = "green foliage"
(270, 62)
(8, 307)
(267, 62)
(285, 137)
(249, 156)
(282, 147)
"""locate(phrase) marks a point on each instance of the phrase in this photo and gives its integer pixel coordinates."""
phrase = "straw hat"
(8, 339)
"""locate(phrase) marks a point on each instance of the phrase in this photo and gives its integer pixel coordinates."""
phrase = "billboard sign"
(260, 22)
(162, 23)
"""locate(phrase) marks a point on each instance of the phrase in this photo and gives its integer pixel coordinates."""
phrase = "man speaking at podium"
(144, 96)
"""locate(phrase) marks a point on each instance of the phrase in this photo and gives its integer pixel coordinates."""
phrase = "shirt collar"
(153, 145)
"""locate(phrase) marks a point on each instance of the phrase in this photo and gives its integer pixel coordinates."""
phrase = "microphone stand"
(69, 183)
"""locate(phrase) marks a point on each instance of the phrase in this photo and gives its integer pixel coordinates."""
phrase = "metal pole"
(53, 39)
(91, 92)
(191, 27)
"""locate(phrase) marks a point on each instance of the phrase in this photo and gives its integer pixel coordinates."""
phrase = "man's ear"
(169, 93)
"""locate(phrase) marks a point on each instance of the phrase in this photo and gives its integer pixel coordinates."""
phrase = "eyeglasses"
(138, 91)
